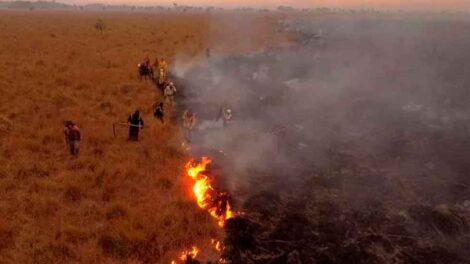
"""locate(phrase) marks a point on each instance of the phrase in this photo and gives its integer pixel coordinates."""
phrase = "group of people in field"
(162, 81)
(146, 69)
(168, 90)
(135, 121)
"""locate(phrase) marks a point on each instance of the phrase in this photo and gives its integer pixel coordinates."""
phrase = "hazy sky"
(418, 4)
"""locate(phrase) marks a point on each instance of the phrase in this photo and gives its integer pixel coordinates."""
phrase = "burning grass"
(213, 201)
(217, 203)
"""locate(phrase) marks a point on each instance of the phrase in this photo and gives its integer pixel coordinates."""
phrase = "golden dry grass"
(119, 202)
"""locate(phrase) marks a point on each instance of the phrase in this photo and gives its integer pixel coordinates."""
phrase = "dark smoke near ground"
(351, 146)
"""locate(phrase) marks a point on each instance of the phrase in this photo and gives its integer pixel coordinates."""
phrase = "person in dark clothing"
(72, 137)
(135, 124)
(159, 113)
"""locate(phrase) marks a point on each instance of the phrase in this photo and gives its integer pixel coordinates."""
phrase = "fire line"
(215, 202)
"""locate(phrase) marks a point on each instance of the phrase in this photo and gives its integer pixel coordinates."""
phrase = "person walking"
(189, 122)
(159, 112)
(72, 137)
(169, 93)
(135, 123)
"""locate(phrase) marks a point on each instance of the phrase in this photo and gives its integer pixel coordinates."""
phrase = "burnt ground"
(371, 166)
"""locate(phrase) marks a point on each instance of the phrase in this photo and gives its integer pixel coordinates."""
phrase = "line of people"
(135, 121)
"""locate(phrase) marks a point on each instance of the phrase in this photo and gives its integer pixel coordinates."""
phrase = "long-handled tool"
(124, 124)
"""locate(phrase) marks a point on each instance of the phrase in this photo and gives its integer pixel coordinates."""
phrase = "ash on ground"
(350, 146)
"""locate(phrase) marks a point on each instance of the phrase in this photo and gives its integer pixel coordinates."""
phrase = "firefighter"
(161, 79)
(159, 112)
(162, 64)
(135, 123)
(189, 122)
(72, 137)
(145, 69)
(226, 115)
(162, 71)
(169, 93)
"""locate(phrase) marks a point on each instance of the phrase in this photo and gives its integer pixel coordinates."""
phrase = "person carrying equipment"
(189, 122)
(72, 137)
(159, 112)
(135, 123)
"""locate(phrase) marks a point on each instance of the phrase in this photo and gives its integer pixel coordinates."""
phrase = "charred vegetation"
(372, 166)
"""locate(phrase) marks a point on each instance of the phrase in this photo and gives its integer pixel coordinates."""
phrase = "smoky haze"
(361, 81)
(383, 4)
(362, 110)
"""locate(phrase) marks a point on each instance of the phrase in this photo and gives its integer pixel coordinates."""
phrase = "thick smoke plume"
(350, 146)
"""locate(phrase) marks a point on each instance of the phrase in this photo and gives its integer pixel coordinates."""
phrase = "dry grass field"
(118, 202)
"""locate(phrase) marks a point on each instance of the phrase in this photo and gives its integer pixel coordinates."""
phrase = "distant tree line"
(32, 5)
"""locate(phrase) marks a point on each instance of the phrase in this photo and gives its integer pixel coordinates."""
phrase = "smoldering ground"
(350, 146)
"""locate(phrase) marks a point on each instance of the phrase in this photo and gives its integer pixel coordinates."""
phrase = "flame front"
(216, 203)
(201, 190)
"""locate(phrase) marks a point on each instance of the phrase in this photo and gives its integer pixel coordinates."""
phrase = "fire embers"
(188, 256)
(211, 250)
(217, 203)
(216, 244)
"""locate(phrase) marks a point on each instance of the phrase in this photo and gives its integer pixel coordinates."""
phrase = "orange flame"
(216, 203)
(217, 245)
(189, 253)
(185, 255)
